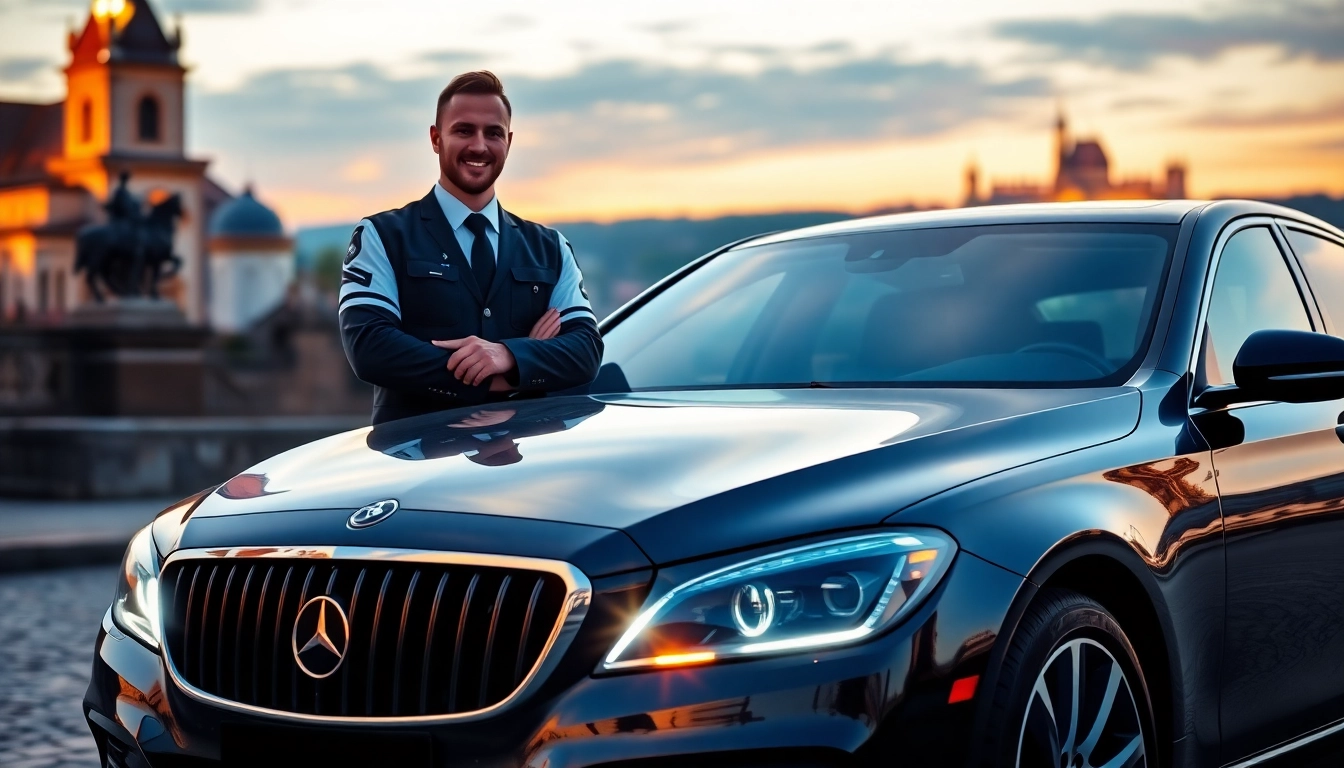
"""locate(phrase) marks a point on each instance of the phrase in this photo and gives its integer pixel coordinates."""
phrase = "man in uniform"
(451, 300)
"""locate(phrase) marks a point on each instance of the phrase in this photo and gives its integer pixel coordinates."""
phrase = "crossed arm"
(474, 359)
(564, 348)
(468, 369)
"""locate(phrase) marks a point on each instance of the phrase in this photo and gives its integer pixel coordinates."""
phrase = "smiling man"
(451, 300)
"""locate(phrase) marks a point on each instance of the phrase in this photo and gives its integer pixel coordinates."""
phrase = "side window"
(1253, 291)
(1323, 261)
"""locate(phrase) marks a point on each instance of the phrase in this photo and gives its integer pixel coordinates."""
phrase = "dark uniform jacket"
(406, 282)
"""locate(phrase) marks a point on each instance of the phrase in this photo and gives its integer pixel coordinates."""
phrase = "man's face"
(472, 140)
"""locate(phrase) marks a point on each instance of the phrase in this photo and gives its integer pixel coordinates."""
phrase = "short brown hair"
(482, 82)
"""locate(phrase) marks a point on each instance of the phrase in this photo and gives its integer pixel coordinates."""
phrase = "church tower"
(124, 112)
(972, 184)
(1061, 151)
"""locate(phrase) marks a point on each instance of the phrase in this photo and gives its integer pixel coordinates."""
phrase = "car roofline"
(1236, 208)
(1131, 211)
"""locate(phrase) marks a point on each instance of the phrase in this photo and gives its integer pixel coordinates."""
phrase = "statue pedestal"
(128, 313)
(136, 357)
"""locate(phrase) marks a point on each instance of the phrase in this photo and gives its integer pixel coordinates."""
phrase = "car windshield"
(1018, 305)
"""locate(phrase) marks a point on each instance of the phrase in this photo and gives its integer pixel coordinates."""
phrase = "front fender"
(1130, 504)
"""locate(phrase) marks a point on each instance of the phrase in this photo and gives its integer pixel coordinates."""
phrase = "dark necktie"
(482, 256)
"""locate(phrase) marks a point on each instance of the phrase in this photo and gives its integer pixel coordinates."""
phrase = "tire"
(1032, 723)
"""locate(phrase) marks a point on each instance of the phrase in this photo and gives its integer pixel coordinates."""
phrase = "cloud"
(1134, 41)
(61, 5)
(207, 6)
(301, 111)
(47, 10)
(833, 47)
(663, 112)
(1277, 118)
(21, 69)
(616, 110)
(450, 58)
(762, 56)
(759, 51)
(1142, 102)
(511, 22)
(669, 28)
(160, 6)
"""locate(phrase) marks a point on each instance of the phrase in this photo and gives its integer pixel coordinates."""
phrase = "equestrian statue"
(133, 251)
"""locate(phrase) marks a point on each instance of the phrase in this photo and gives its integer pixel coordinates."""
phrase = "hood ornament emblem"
(372, 514)
(328, 633)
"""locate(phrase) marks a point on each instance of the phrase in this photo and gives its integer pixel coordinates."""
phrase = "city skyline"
(645, 111)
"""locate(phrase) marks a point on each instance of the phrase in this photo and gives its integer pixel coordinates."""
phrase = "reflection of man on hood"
(487, 436)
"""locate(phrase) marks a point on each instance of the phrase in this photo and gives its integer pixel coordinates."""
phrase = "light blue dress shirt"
(457, 212)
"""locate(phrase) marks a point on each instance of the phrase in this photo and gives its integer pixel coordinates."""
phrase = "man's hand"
(474, 359)
(547, 327)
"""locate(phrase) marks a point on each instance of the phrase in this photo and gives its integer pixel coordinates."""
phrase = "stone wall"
(128, 457)
(116, 410)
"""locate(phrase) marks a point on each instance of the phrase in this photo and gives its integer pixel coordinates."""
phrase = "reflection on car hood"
(636, 462)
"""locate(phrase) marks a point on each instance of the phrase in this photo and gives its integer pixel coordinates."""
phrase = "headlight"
(820, 595)
(136, 605)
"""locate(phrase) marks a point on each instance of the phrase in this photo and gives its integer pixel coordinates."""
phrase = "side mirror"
(1290, 366)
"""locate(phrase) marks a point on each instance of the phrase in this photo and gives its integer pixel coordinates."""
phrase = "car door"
(1279, 468)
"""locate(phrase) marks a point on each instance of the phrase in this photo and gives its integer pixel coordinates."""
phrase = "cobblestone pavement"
(47, 629)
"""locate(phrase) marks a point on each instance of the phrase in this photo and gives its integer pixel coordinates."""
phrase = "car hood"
(686, 473)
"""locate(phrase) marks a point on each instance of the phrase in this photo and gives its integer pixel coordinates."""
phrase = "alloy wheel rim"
(1081, 713)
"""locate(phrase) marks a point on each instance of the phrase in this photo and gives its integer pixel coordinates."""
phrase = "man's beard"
(455, 174)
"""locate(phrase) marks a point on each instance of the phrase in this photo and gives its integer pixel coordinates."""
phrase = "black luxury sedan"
(1036, 486)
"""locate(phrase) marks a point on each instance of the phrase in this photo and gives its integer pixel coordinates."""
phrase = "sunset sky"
(629, 109)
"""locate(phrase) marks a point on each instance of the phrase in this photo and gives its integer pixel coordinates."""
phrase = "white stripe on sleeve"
(569, 297)
(366, 274)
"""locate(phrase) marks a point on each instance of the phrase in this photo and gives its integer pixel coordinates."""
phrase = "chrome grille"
(427, 637)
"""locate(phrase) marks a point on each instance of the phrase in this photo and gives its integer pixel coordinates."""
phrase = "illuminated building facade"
(1082, 172)
(123, 111)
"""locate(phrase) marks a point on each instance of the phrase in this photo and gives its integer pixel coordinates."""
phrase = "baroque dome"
(245, 216)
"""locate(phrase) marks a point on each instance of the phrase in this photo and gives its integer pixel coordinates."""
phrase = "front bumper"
(879, 701)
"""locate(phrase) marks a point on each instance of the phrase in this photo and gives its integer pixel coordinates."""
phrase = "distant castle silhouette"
(1082, 172)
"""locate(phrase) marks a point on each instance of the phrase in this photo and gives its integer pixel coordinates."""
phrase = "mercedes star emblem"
(323, 622)
(376, 512)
